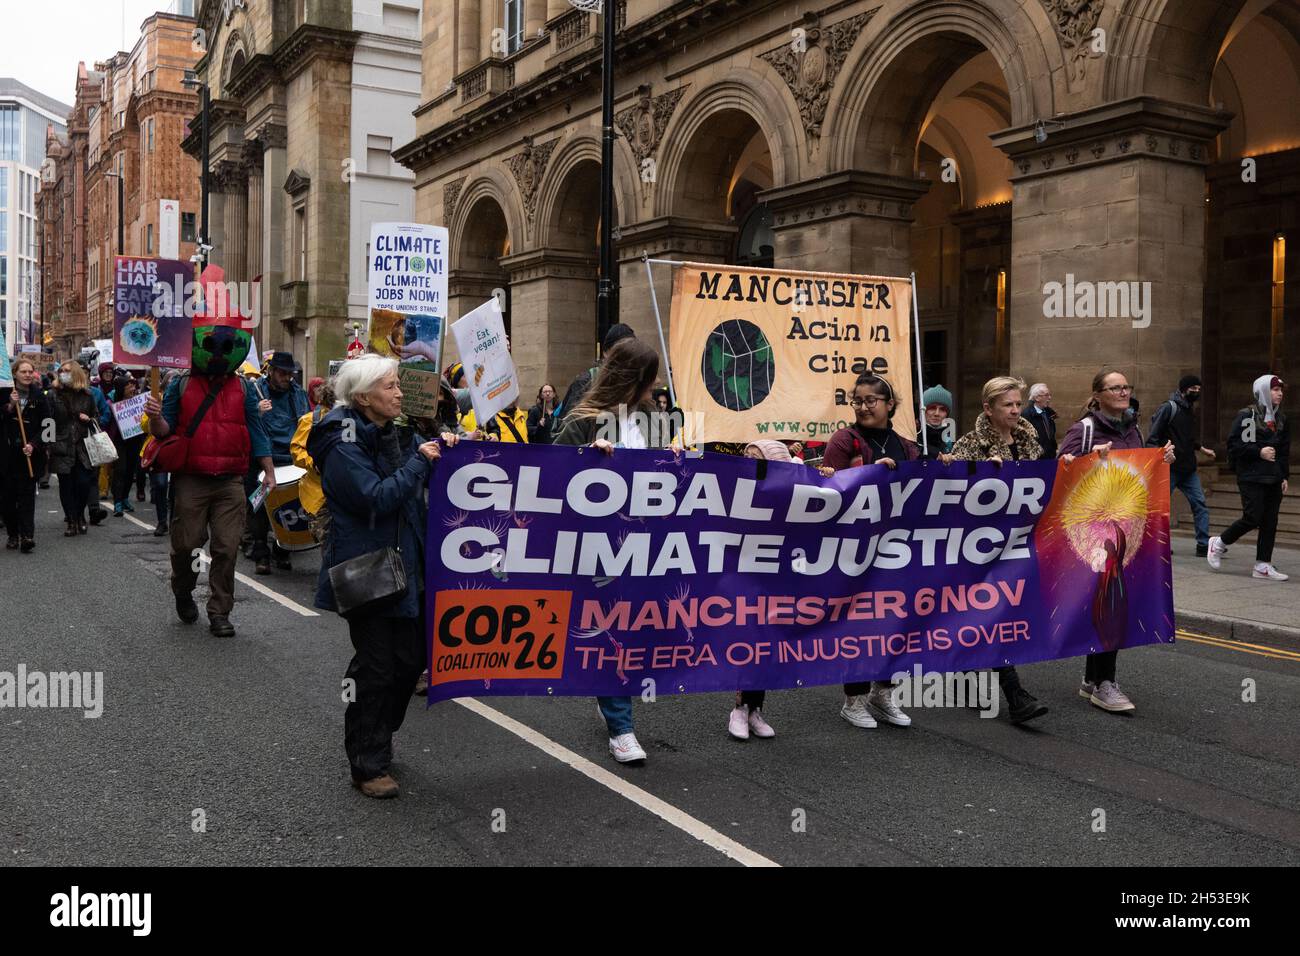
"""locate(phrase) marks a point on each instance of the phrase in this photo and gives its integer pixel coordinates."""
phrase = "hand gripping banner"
(554, 570)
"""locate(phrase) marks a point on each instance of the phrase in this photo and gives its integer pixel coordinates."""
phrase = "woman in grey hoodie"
(1259, 450)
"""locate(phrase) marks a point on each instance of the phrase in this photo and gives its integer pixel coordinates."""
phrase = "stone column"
(853, 222)
(468, 16)
(1108, 247)
(231, 181)
(534, 18)
(275, 227)
(254, 208)
(553, 301)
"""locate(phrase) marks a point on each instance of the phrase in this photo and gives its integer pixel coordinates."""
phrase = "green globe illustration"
(739, 366)
(417, 264)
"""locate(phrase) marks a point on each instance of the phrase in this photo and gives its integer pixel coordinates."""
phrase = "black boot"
(220, 626)
(1024, 705)
(186, 609)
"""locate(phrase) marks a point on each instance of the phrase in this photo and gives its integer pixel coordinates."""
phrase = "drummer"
(284, 402)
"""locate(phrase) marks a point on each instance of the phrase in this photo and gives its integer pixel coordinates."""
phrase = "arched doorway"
(1252, 225)
(484, 242)
(724, 169)
(927, 123)
(573, 240)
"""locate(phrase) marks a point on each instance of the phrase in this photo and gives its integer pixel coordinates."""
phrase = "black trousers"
(1260, 504)
(259, 527)
(19, 502)
(390, 657)
(1100, 667)
(74, 491)
(124, 471)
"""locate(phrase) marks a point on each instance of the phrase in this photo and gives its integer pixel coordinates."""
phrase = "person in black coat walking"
(23, 454)
(1040, 413)
(1175, 422)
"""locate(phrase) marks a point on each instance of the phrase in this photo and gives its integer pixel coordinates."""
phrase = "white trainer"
(1109, 697)
(758, 726)
(855, 712)
(738, 723)
(1269, 572)
(1086, 689)
(625, 748)
(1215, 552)
(881, 703)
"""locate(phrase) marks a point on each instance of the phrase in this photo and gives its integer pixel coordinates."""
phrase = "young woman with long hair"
(612, 414)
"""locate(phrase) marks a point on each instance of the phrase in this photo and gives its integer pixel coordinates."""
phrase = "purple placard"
(553, 570)
(150, 327)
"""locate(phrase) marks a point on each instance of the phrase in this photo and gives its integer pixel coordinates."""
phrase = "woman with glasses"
(870, 440)
(1109, 423)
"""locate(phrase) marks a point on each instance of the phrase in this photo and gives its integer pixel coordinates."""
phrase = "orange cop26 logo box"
(499, 635)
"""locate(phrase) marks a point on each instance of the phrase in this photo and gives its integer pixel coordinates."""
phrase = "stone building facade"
(994, 147)
(307, 101)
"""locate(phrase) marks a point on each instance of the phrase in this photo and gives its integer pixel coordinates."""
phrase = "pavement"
(226, 752)
(1230, 603)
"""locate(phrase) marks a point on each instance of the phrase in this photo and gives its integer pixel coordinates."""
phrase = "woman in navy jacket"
(374, 488)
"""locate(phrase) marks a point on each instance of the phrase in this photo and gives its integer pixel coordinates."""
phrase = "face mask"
(65, 378)
(1193, 397)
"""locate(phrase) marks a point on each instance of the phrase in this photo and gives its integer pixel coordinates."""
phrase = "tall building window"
(300, 241)
(148, 239)
(514, 22)
(187, 227)
(10, 133)
(378, 155)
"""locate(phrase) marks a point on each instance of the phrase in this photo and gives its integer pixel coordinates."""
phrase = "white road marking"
(647, 801)
(642, 798)
(257, 586)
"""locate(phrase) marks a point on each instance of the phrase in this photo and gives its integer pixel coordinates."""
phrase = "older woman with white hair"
(373, 484)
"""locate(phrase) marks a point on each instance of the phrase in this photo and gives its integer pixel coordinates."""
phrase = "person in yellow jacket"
(509, 424)
(310, 495)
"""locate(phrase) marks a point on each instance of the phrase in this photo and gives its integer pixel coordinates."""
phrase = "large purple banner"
(555, 570)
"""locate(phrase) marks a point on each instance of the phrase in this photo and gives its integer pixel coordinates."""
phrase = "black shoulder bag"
(366, 583)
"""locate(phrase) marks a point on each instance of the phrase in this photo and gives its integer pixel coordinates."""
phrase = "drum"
(288, 519)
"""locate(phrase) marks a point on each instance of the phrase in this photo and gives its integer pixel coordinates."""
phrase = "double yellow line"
(1260, 650)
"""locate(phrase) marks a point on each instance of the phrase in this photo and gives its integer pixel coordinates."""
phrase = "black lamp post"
(607, 282)
(192, 81)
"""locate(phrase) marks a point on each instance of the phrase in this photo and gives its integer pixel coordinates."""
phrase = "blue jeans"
(1190, 486)
(618, 714)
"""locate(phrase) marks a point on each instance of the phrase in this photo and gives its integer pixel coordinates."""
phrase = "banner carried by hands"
(559, 571)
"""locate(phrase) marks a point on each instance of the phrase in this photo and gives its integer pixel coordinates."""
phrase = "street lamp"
(191, 81)
(607, 282)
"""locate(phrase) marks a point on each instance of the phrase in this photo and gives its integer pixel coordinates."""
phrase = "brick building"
(994, 147)
(133, 135)
(61, 203)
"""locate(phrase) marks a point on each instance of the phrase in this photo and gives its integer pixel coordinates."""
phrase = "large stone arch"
(575, 148)
(1167, 48)
(905, 56)
(757, 95)
(489, 183)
